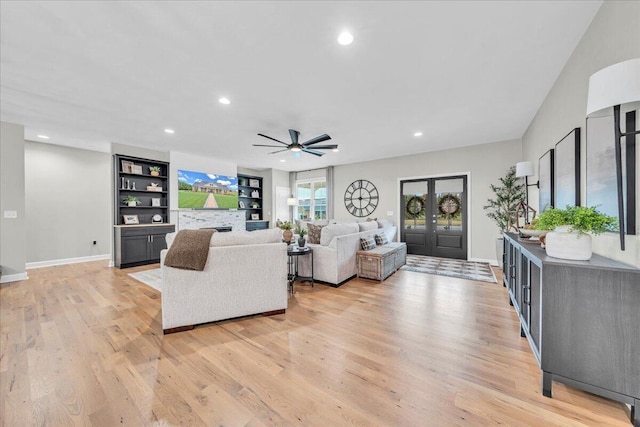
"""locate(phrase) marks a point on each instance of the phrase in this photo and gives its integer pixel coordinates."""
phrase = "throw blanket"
(189, 250)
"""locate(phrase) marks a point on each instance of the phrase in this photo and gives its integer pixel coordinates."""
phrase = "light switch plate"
(389, 213)
(11, 214)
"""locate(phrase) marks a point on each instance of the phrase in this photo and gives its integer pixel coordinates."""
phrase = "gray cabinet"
(139, 245)
(581, 318)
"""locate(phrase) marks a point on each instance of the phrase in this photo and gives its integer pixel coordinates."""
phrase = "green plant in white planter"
(131, 201)
(572, 226)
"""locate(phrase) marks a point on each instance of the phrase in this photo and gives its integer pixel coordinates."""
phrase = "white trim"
(493, 262)
(14, 277)
(50, 263)
(439, 175)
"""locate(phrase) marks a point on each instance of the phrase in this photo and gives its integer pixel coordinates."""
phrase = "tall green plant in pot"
(507, 194)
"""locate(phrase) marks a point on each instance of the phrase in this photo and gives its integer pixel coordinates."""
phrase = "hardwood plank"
(82, 344)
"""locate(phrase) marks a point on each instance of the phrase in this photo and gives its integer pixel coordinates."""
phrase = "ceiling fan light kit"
(297, 147)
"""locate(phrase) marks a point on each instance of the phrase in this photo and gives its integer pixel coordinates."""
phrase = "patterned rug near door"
(450, 267)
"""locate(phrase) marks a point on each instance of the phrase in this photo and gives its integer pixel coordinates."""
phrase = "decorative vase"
(565, 244)
(155, 173)
(499, 249)
(287, 236)
(301, 242)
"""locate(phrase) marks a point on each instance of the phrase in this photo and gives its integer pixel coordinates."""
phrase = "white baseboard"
(13, 277)
(40, 264)
(112, 264)
(493, 262)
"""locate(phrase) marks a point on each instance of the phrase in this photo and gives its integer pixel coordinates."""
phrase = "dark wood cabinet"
(581, 319)
(148, 181)
(140, 245)
(250, 201)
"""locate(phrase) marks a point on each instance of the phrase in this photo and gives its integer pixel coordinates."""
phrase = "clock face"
(361, 198)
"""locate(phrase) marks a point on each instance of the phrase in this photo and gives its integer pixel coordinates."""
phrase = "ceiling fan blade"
(264, 145)
(273, 139)
(315, 153)
(325, 147)
(279, 151)
(294, 134)
(323, 137)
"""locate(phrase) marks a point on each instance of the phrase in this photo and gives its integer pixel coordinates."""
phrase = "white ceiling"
(463, 73)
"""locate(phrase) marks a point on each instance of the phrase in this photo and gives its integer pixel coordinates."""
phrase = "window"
(312, 199)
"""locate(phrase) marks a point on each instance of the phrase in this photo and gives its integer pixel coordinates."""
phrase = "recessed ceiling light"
(346, 38)
(43, 136)
(282, 160)
(335, 150)
(417, 134)
(224, 101)
(170, 131)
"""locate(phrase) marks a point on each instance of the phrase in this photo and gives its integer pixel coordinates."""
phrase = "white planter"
(561, 243)
(499, 250)
(132, 204)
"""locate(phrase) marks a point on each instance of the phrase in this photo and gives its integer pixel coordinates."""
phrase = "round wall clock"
(361, 198)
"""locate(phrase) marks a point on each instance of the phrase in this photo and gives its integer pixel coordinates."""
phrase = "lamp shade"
(524, 169)
(292, 201)
(617, 84)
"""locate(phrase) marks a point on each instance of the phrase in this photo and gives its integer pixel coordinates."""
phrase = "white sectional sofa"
(245, 274)
(334, 258)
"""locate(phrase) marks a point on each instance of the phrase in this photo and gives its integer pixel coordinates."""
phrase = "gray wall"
(12, 231)
(613, 36)
(485, 163)
(68, 202)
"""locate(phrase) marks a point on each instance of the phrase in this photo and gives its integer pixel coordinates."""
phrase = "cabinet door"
(135, 249)
(535, 292)
(524, 294)
(156, 244)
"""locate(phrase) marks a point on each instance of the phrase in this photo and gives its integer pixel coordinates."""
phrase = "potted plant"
(131, 201)
(287, 234)
(572, 226)
(301, 240)
(500, 208)
(154, 170)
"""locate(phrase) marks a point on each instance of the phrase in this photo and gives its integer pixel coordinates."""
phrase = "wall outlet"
(11, 214)
(389, 213)
(95, 242)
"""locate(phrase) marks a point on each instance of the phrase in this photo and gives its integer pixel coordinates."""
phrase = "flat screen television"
(201, 190)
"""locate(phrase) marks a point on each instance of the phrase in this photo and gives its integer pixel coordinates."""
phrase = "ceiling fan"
(297, 147)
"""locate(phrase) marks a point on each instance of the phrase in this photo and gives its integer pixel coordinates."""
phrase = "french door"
(434, 216)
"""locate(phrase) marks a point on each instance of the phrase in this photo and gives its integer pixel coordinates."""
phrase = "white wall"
(12, 230)
(485, 164)
(612, 37)
(68, 202)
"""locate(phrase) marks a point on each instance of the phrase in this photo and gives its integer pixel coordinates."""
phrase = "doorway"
(434, 216)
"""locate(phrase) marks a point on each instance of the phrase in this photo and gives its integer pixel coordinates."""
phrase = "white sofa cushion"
(330, 231)
(233, 238)
(368, 225)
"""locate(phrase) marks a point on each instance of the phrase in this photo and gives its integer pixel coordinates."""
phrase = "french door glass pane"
(415, 199)
(449, 204)
(304, 201)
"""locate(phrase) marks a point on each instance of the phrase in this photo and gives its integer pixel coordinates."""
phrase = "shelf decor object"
(617, 87)
(566, 168)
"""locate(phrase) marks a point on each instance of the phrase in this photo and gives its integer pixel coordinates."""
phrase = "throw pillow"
(384, 223)
(314, 233)
(381, 239)
(367, 243)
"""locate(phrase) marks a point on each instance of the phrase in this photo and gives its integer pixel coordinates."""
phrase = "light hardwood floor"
(83, 345)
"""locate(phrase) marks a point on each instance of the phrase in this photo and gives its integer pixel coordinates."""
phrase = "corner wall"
(13, 251)
(485, 163)
(612, 37)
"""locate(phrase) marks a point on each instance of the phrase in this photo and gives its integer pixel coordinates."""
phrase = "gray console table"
(581, 318)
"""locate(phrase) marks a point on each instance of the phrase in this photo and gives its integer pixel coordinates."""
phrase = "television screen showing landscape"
(207, 190)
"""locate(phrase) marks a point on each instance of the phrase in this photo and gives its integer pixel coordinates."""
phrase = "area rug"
(151, 278)
(450, 267)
